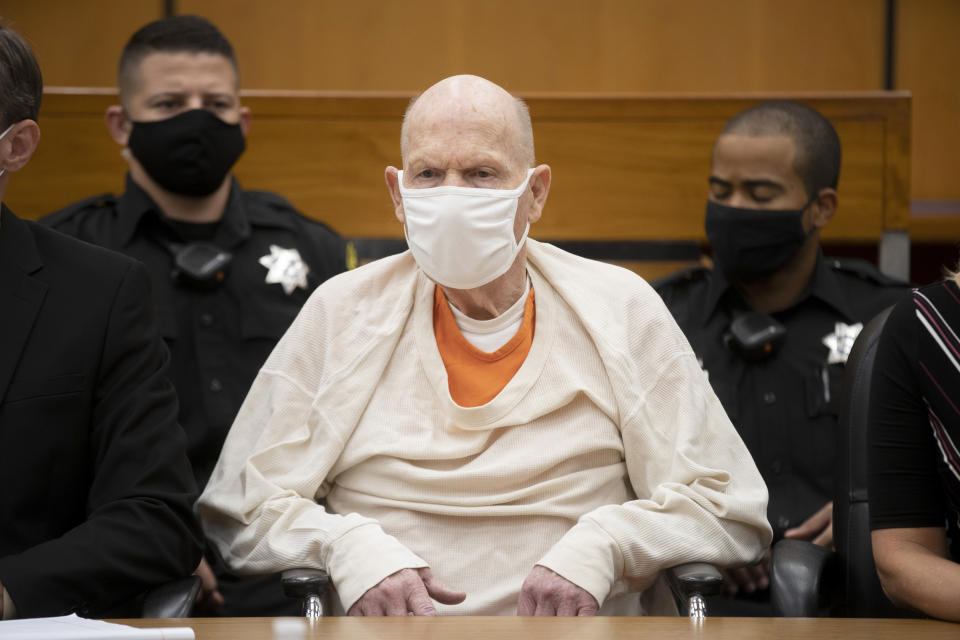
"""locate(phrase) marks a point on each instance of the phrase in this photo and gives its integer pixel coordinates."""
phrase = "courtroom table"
(511, 628)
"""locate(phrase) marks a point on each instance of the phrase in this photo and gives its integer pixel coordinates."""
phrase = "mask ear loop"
(2, 136)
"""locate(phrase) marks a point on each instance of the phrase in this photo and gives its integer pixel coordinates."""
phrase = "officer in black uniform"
(773, 323)
(230, 268)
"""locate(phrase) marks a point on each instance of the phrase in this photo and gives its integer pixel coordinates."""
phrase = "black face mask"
(749, 244)
(190, 153)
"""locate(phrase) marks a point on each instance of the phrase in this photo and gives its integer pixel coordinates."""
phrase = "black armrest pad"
(797, 570)
(694, 577)
(174, 599)
(299, 583)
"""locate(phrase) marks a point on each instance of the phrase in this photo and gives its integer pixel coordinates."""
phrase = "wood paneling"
(605, 46)
(625, 168)
(78, 44)
(928, 65)
(556, 45)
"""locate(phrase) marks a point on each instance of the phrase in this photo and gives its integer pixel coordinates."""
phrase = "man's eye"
(719, 193)
(761, 197)
(428, 173)
(484, 174)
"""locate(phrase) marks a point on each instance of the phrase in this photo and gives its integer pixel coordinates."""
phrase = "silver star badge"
(840, 342)
(285, 266)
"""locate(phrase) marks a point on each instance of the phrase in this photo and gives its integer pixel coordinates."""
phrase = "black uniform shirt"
(786, 406)
(218, 338)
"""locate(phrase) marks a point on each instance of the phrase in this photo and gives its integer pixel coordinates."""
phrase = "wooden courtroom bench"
(629, 172)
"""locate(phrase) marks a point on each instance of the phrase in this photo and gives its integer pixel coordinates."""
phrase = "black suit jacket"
(96, 493)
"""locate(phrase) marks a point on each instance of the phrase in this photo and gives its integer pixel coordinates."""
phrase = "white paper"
(73, 627)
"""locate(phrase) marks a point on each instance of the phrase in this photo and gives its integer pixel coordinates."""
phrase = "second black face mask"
(749, 244)
(190, 153)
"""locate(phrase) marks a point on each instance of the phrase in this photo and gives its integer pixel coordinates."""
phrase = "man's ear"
(19, 144)
(246, 117)
(823, 207)
(392, 176)
(540, 186)
(118, 126)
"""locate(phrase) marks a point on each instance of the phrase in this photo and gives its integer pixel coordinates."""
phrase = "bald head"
(464, 101)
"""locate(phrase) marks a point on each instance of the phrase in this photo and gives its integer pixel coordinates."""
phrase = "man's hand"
(403, 592)
(748, 579)
(209, 597)
(818, 528)
(545, 593)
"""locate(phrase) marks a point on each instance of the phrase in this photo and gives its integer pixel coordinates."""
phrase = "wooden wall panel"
(928, 65)
(624, 168)
(529, 46)
(78, 43)
(556, 45)
(75, 159)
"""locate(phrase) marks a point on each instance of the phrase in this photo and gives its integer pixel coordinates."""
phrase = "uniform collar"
(823, 285)
(135, 206)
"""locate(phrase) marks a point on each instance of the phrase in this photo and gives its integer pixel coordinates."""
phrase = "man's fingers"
(419, 603)
(813, 525)
(546, 593)
(208, 603)
(748, 579)
(395, 605)
(744, 579)
(439, 591)
(377, 607)
(759, 575)
(729, 584)
(392, 596)
(526, 605)
(209, 596)
(825, 539)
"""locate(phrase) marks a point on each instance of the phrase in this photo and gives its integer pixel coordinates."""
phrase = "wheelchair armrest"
(309, 585)
(797, 571)
(174, 599)
(300, 583)
(690, 582)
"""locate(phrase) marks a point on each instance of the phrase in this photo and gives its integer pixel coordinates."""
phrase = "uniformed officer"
(230, 268)
(774, 321)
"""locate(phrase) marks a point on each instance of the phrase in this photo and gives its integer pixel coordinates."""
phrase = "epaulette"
(683, 277)
(864, 270)
(93, 203)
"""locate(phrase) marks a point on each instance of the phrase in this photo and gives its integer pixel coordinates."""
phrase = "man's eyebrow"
(718, 181)
(166, 94)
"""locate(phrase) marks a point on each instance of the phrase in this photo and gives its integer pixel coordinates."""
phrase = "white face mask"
(462, 237)
(5, 132)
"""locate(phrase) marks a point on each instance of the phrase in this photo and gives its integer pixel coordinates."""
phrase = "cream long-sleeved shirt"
(607, 458)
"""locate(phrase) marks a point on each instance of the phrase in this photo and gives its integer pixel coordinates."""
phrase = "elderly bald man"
(483, 411)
